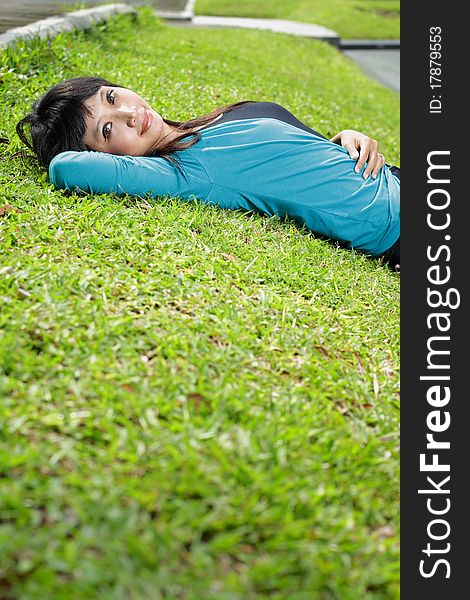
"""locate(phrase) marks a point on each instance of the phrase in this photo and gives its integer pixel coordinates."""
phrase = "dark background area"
(421, 133)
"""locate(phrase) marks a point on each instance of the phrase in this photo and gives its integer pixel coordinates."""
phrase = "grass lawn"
(370, 19)
(195, 403)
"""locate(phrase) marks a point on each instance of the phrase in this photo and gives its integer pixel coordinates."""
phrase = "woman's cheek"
(126, 144)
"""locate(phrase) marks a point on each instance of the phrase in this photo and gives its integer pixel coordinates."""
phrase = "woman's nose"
(129, 115)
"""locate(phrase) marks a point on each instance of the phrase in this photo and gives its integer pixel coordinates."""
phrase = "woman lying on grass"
(256, 156)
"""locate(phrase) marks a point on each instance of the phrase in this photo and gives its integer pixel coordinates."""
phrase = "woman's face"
(122, 122)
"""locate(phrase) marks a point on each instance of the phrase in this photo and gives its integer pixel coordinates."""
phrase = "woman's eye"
(110, 96)
(106, 130)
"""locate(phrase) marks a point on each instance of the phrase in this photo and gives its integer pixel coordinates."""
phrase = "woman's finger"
(378, 165)
(351, 148)
(364, 155)
(372, 157)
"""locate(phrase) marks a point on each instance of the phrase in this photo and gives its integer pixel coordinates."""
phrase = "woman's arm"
(363, 149)
(101, 173)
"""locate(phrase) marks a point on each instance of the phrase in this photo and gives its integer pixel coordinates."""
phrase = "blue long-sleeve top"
(256, 164)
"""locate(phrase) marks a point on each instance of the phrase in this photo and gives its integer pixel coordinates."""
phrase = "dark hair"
(57, 121)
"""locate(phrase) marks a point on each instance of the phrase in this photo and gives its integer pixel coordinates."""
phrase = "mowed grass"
(371, 19)
(195, 403)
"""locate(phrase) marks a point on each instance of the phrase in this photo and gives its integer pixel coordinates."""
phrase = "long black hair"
(57, 121)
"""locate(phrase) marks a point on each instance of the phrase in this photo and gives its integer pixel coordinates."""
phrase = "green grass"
(196, 404)
(370, 19)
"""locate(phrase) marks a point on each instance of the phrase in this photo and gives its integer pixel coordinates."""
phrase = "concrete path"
(17, 13)
(317, 32)
(80, 19)
(381, 65)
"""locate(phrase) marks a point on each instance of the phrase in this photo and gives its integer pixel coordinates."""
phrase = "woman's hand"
(363, 149)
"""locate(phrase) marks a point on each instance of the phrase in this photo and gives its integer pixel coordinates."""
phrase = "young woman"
(97, 137)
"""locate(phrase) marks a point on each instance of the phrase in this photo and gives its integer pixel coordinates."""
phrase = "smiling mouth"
(147, 121)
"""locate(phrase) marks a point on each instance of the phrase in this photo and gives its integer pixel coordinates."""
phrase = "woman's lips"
(147, 121)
